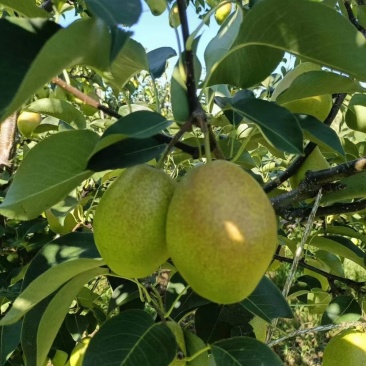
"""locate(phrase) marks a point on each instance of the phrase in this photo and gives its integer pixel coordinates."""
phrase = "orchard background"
(105, 106)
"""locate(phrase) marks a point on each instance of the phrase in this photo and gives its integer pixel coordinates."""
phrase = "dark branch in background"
(193, 151)
(354, 284)
(295, 165)
(353, 19)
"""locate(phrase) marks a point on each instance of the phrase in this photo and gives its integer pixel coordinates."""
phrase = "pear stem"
(167, 314)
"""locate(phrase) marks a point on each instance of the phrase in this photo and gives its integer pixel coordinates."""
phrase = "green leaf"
(355, 186)
(314, 83)
(26, 8)
(130, 60)
(24, 39)
(278, 125)
(140, 124)
(125, 153)
(243, 351)
(220, 45)
(158, 60)
(64, 46)
(54, 264)
(187, 302)
(345, 249)
(48, 173)
(9, 340)
(46, 284)
(272, 27)
(66, 248)
(342, 309)
(131, 338)
(113, 12)
(320, 133)
(267, 302)
(55, 313)
(59, 109)
(213, 324)
(193, 345)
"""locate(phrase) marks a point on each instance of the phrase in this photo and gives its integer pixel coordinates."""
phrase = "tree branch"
(353, 19)
(193, 151)
(297, 162)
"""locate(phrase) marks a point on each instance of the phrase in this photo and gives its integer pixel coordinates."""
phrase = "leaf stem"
(198, 353)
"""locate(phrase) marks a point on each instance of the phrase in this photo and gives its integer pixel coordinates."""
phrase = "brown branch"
(327, 179)
(193, 151)
(297, 162)
(354, 284)
(7, 140)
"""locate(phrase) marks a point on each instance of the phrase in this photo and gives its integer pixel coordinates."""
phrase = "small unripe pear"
(27, 122)
(157, 7)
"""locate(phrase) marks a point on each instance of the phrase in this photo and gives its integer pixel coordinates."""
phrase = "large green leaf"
(130, 60)
(140, 124)
(46, 284)
(131, 338)
(48, 173)
(55, 313)
(267, 302)
(320, 133)
(113, 12)
(313, 83)
(59, 109)
(26, 8)
(24, 39)
(64, 46)
(307, 29)
(67, 248)
(244, 351)
(278, 125)
(125, 153)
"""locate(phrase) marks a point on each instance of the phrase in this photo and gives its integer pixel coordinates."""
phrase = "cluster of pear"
(216, 224)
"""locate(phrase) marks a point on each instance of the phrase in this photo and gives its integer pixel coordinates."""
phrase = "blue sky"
(154, 32)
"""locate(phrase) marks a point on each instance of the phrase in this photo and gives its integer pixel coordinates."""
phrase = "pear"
(347, 348)
(315, 161)
(129, 223)
(27, 122)
(222, 13)
(157, 7)
(221, 231)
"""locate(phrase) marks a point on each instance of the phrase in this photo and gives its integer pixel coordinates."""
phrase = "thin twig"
(320, 328)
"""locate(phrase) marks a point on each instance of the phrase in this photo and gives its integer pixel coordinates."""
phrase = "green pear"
(221, 231)
(129, 223)
(157, 7)
(315, 161)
